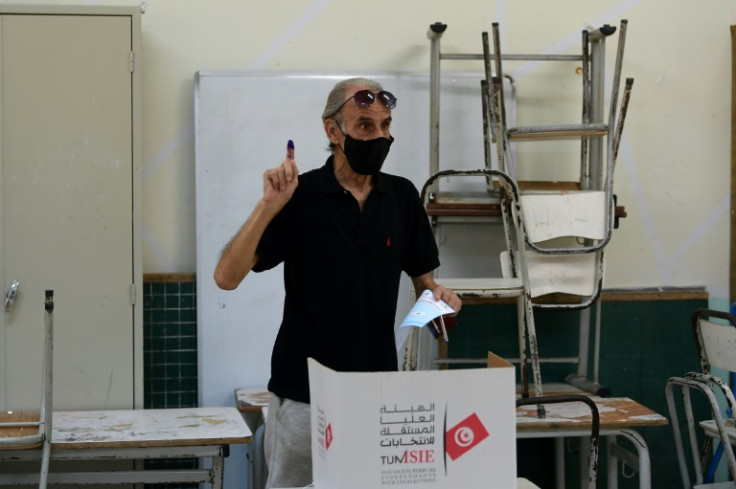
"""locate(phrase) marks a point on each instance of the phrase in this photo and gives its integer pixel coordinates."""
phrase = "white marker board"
(243, 121)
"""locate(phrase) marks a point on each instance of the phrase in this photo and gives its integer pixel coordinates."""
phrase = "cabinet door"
(66, 208)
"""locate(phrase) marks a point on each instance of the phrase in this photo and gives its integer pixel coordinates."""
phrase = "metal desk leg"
(640, 460)
(259, 462)
(218, 470)
(584, 461)
(560, 462)
(611, 462)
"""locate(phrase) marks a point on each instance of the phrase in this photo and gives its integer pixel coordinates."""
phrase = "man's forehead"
(375, 111)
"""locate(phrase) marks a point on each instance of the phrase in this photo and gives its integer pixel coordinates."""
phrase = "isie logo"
(459, 440)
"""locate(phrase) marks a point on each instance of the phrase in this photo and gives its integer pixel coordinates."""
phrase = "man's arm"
(239, 256)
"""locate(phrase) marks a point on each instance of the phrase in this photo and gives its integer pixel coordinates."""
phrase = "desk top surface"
(615, 413)
(251, 400)
(138, 428)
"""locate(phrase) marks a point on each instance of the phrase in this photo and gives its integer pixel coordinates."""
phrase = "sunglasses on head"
(365, 98)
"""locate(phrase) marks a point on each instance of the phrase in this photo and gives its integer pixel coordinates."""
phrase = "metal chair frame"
(597, 161)
(518, 286)
(708, 384)
(595, 174)
(42, 436)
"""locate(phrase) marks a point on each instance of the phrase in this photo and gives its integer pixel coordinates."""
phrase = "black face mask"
(366, 157)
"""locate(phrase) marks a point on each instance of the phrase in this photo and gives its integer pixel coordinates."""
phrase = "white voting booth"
(440, 429)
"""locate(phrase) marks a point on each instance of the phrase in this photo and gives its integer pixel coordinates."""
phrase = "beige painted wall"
(673, 172)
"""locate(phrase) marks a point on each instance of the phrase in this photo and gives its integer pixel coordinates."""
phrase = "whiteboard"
(243, 121)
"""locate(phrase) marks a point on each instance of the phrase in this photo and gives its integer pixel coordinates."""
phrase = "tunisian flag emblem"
(464, 436)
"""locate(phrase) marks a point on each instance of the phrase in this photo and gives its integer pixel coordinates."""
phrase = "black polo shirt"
(341, 274)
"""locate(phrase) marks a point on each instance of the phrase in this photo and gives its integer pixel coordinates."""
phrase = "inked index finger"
(290, 149)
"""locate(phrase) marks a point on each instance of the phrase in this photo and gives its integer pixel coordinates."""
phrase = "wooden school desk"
(253, 403)
(140, 434)
(619, 416)
(252, 400)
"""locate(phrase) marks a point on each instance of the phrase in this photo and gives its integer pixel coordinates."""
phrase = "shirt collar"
(329, 184)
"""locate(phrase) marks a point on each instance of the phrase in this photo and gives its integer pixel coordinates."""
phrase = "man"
(345, 232)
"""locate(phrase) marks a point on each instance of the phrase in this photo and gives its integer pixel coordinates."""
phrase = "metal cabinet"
(70, 203)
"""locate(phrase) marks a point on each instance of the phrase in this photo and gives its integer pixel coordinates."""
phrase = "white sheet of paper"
(425, 309)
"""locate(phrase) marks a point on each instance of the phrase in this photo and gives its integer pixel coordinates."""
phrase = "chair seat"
(709, 426)
(717, 485)
(570, 274)
(522, 483)
(556, 389)
(484, 287)
(20, 430)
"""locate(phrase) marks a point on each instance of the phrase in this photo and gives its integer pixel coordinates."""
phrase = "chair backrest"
(715, 341)
(550, 215)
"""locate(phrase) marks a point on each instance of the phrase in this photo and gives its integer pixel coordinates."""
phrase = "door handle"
(10, 295)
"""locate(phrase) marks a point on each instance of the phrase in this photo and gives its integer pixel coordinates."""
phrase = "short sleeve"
(271, 248)
(423, 255)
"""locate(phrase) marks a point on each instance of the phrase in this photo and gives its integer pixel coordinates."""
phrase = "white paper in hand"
(426, 309)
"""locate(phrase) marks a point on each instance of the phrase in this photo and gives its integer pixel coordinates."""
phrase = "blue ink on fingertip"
(290, 144)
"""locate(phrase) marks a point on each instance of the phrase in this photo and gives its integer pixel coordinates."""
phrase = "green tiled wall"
(170, 356)
(170, 344)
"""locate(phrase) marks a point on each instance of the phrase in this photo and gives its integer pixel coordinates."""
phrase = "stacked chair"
(555, 232)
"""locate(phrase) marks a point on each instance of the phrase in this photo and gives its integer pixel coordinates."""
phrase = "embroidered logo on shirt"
(388, 242)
